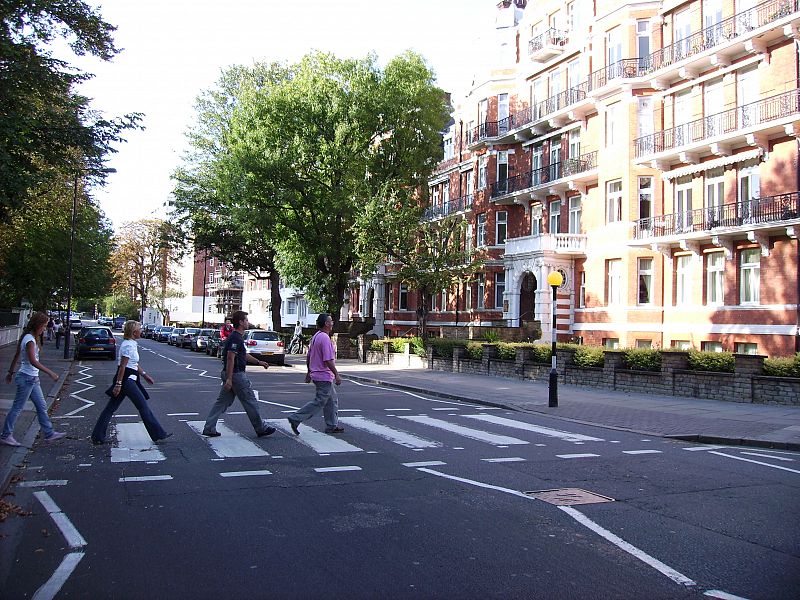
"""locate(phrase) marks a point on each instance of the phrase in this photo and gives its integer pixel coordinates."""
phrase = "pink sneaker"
(9, 441)
(56, 435)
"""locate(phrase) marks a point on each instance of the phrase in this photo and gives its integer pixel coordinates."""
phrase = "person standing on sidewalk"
(126, 383)
(321, 366)
(235, 383)
(27, 382)
(57, 332)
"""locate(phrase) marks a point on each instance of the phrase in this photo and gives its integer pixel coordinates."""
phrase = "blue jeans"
(132, 391)
(27, 387)
(242, 390)
(326, 399)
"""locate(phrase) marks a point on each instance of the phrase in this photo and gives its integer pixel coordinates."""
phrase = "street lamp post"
(554, 280)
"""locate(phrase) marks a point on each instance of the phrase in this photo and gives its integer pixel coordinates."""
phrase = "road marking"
(341, 410)
(244, 473)
(182, 414)
(44, 483)
(556, 433)
(398, 409)
(337, 469)
(53, 585)
(317, 441)
(74, 539)
(757, 462)
(126, 416)
(723, 595)
(230, 444)
(397, 436)
(577, 455)
(438, 408)
(642, 452)
(146, 478)
(429, 463)
(698, 448)
(502, 460)
(770, 456)
(474, 434)
(134, 444)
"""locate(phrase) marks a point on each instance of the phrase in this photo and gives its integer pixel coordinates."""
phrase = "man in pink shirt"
(321, 366)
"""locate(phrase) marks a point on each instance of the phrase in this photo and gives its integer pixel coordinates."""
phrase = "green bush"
(491, 337)
(508, 350)
(475, 350)
(718, 362)
(783, 367)
(643, 359)
(443, 348)
(398, 345)
(589, 356)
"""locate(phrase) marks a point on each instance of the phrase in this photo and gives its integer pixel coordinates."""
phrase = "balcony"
(233, 284)
(752, 218)
(564, 175)
(452, 207)
(748, 125)
(547, 45)
(567, 106)
(608, 78)
(554, 243)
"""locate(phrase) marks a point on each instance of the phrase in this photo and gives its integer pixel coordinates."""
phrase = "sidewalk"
(27, 427)
(691, 419)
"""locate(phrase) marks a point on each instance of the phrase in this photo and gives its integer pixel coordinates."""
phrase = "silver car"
(264, 345)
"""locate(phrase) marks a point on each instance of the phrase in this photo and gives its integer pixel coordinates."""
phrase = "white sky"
(174, 49)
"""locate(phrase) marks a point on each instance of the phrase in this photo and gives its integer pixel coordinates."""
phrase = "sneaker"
(56, 435)
(267, 431)
(336, 429)
(294, 425)
(9, 441)
(210, 433)
(166, 435)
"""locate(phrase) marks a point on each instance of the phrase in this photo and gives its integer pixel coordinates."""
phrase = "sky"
(175, 49)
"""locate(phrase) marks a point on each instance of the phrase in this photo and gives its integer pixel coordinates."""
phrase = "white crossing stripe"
(697, 448)
(393, 435)
(474, 434)
(556, 433)
(230, 444)
(641, 452)
(134, 444)
(43, 483)
(428, 463)
(770, 456)
(336, 469)
(577, 455)
(244, 473)
(318, 442)
(147, 478)
(502, 460)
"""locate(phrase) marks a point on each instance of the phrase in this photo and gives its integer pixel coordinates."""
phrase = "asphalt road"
(419, 498)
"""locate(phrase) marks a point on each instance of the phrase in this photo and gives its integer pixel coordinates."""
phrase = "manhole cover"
(568, 496)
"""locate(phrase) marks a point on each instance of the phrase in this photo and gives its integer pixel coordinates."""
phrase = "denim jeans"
(326, 399)
(242, 390)
(27, 387)
(132, 391)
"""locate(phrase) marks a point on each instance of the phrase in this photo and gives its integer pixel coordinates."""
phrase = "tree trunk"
(275, 298)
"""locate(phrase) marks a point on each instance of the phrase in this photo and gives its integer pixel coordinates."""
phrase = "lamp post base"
(553, 389)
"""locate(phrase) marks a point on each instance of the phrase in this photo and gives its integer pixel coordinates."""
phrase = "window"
(645, 281)
(574, 143)
(613, 46)
(715, 277)
(468, 296)
(715, 196)
(683, 204)
(683, 280)
(390, 294)
(745, 348)
(575, 214)
(291, 306)
(645, 197)
(614, 201)
(469, 185)
(711, 346)
(481, 230)
(582, 291)
(448, 147)
(644, 344)
(499, 289)
(502, 113)
(500, 227)
(644, 116)
(749, 276)
(614, 126)
(611, 343)
(469, 236)
(482, 173)
(642, 40)
(502, 171)
(536, 165)
(536, 219)
(749, 189)
(435, 196)
(444, 300)
(614, 286)
(446, 193)
(403, 296)
(555, 216)
(681, 344)
(481, 291)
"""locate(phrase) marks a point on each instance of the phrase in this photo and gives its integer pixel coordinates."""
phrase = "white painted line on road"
(398, 409)
(577, 455)
(388, 388)
(429, 463)
(722, 595)
(770, 456)
(474, 434)
(146, 478)
(85, 464)
(289, 406)
(182, 414)
(73, 538)
(317, 441)
(52, 586)
(134, 444)
(403, 438)
(556, 433)
(449, 408)
(336, 469)
(506, 459)
(44, 483)
(341, 410)
(698, 448)
(642, 452)
(244, 473)
(125, 416)
(230, 444)
(757, 462)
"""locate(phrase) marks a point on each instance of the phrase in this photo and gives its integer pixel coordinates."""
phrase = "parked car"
(187, 337)
(75, 323)
(175, 335)
(119, 322)
(95, 341)
(264, 345)
(214, 345)
(200, 341)
(104, 320)
(164, 333)
(147, 330)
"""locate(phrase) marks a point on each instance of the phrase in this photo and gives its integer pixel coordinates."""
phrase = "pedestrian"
(321, 369)
(27, 382)
(235, 383)
(296, 344)
(225, 330)
(127, 383)
(57, 331)
(50, 325)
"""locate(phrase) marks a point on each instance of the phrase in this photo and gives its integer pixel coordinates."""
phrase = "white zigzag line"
(77, 395)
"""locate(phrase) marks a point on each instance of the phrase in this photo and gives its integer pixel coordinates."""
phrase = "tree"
(46, 128)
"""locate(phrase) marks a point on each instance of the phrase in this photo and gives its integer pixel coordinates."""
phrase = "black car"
(147, 330)
(214, 345)
(163, 334)
(119, 322)
(95, 341)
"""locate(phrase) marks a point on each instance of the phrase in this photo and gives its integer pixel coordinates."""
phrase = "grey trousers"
(326, 400)
(242, 390)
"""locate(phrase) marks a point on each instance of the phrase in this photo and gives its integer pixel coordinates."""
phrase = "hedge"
(783, 367)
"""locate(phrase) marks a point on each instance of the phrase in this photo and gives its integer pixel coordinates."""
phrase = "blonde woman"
(27, 382)
(127, 383)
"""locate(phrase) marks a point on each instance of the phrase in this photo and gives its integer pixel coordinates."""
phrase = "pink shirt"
(320, 350)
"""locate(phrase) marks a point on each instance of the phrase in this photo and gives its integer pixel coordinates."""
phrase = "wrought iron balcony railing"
(731, 120)
(781, 207)
(563, 169)
(551, 37)
(453, 206)
(563, 99)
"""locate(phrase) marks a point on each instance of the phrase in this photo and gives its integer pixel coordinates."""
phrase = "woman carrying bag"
(127, 384)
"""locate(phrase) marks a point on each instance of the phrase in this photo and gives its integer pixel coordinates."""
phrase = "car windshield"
(206, 331)
(192, 329)
(97, 332)
(269, 336)
(177, 331)
(166, 329)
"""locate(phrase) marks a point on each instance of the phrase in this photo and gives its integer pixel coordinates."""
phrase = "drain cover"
(568, 496)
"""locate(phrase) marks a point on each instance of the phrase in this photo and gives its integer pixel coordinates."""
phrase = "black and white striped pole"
(554, 280)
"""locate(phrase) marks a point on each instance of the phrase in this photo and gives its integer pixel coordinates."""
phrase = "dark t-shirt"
(235, 343)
